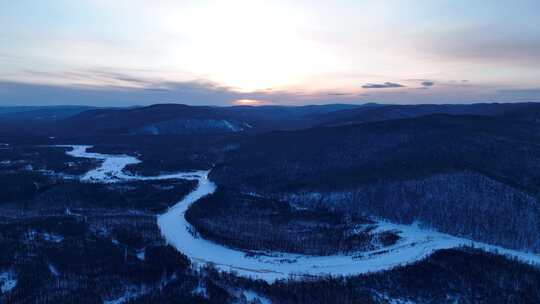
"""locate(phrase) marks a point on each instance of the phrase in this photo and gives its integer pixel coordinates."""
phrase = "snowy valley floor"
(415, 243)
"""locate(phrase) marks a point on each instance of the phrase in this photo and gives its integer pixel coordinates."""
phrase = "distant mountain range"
(40, 113)
(170, 119)
(164, 119)
(387, 112)
(471, 175)
(401, 162)
(310, 180)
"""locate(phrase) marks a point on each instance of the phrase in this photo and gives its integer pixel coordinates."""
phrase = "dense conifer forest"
(315, 187)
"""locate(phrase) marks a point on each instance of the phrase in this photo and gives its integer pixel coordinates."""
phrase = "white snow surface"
(54, 271)
(129, 294)
(51, 237)
(8, 281)
(415, 243)
(112, 168)
(232, 127)
(141, 254)
(252, 297)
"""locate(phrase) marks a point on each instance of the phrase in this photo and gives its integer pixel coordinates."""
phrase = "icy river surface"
(414, 244)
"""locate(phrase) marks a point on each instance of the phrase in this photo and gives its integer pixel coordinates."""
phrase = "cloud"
(518, 95)
(157, 89)
(385, 85)
(199, 92)
(89, 77)
(120, 77)
(125, 88)
(479, 45)
(337, 94)
(195, 93)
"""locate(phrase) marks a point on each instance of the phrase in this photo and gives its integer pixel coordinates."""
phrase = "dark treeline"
(249, 222)
(469, 175)
(35, 178)
(86, 266)
(341, 157)
(448, 276)
(15, 158)
(465, 204)
(28, 192)
(65, 260)
(165, 153)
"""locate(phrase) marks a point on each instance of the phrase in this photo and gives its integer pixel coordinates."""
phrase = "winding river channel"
(415, 243)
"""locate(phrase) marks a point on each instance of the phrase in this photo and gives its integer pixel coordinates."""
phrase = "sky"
(135, 52)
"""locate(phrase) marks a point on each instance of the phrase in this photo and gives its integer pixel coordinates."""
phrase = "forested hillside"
(254, 223)
(474, 176)
(310, 191)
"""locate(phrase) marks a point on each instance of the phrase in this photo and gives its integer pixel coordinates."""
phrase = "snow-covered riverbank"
(415, 243)
(112, 167)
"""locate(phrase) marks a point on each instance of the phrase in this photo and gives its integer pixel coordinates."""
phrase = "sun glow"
(249, 102)
(250, 45)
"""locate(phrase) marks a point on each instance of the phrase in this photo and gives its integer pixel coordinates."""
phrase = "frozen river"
(415, 243)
